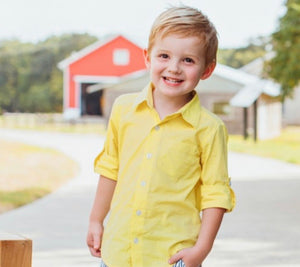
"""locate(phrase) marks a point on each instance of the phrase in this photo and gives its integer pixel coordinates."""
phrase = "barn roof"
(89, 49)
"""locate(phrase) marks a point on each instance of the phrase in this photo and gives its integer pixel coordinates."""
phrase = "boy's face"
(176, 65)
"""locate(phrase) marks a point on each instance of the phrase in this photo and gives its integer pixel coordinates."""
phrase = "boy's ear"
(146, 58)
(208, 71)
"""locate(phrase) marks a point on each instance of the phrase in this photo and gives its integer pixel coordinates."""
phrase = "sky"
(237, 21)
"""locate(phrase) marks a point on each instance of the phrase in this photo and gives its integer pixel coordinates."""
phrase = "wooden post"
(255, 119)
(15, 251)
(245, 126)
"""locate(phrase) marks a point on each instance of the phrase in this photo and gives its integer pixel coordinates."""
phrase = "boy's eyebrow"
(163, 50)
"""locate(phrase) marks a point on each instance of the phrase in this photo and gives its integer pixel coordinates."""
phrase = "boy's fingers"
(89, 240)
(97, 241)
(94, 243)
(176, 257)
(95, 253)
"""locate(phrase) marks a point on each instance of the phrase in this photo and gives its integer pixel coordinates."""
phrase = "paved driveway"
(263, 230)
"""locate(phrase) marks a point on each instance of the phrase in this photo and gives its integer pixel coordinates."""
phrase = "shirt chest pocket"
(178, 157)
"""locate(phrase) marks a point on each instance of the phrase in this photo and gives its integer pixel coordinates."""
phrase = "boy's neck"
(166, 106)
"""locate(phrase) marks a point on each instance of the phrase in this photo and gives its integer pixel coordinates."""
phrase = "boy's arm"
(194, 256)
(101, 206)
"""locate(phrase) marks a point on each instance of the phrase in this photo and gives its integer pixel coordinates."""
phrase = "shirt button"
(149, 156)
(135, 241)
(138, 213)
(143, 183)
(157, 127)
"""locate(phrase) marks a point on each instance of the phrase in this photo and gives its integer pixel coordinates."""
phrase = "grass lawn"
(35, 123)
(29, 172)
(286, 147)
(88, 128)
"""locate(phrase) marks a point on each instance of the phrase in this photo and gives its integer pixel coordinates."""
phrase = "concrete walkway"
(263, 230)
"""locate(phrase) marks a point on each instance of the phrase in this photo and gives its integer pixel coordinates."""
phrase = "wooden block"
(15, 251)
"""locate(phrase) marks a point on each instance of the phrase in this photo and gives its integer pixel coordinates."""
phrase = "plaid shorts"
(177, 264)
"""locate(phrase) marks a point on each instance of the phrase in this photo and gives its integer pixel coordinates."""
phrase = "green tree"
(29, 78)
(8, 83)
(238, 57)
(14, 73)
(284, 67)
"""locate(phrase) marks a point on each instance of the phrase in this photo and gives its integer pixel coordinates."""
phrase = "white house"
(291, 106)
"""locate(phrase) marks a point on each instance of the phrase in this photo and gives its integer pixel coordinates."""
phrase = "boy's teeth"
(173, 80)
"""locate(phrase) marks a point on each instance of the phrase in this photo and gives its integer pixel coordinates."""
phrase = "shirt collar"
(189, 112)
(145, 96)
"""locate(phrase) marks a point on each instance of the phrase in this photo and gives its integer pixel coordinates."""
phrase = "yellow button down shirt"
(167, 171)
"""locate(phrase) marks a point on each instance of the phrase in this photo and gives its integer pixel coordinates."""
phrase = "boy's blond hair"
(186, 22)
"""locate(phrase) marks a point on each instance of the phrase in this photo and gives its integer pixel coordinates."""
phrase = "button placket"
(141, 192)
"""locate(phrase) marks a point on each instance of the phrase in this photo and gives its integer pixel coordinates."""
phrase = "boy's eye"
(189, 60)
(163, 55)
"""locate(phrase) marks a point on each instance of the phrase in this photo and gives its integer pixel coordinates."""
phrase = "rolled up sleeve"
(107, 162)
(216, 191)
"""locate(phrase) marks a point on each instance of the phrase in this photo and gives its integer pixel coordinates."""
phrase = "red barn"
(104, 62)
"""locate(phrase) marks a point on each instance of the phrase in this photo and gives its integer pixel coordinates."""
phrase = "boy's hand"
(192, 257)
(94, 238)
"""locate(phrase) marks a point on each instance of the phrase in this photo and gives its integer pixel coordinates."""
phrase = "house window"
(221, 108)
(121, 57)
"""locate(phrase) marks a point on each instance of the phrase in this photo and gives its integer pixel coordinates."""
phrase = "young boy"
(165, 157)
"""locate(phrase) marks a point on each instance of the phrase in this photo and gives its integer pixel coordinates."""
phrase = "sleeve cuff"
(217, 196)
(106, 166)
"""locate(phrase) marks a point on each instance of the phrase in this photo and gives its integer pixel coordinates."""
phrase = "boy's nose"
(174, 67)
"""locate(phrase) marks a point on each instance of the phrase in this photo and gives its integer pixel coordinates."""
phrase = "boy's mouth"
(172, 80)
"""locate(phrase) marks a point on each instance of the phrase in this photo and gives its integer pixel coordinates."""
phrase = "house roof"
(235, 75)
(249, 93)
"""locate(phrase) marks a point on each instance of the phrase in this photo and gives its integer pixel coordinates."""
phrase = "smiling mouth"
(172, 80)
